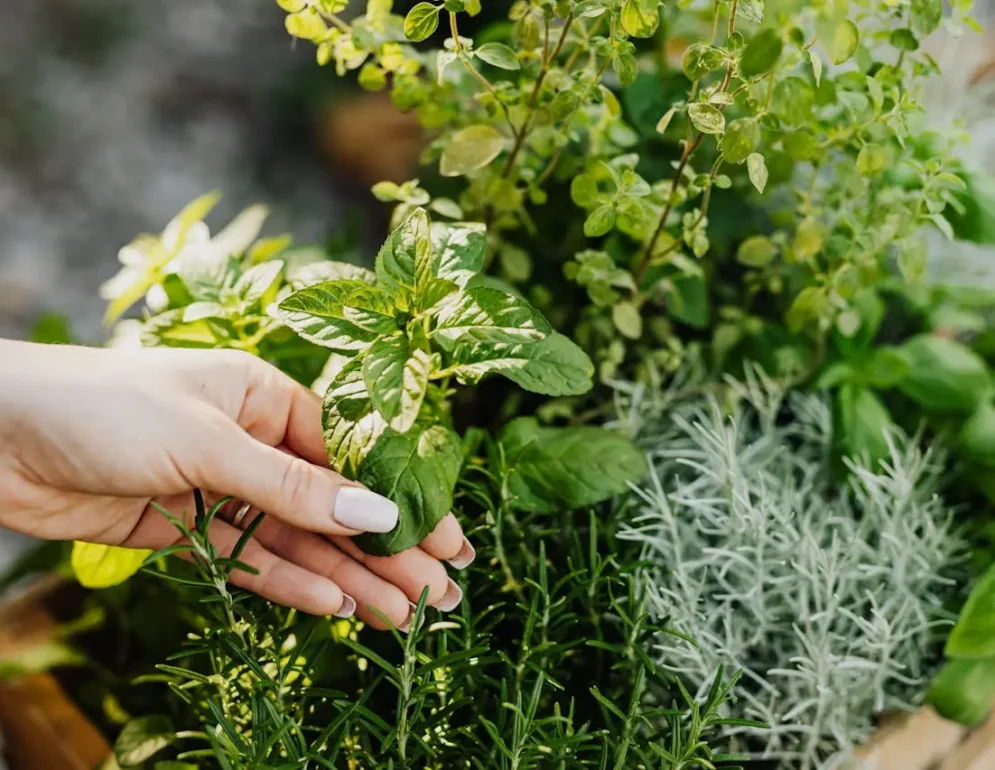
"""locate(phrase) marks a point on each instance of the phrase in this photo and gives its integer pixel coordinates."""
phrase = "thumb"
(294, 490)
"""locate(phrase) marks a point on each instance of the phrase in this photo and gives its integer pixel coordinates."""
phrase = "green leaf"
(626, 317)
(396, 378)
(944, 376)
(845, 41)
(700, 59)
(460, 250)
(143, 738)
(662, 124)
(793, 98)
(756, 251)
(816, 61)
(626, 67)
(926, 15)
(489, 316)
(977, 436)
(554, 366)
(470, 149)
(640, 18)
(552, 469)
(584, 190)
(498, 55)
(599, 222)
(421, 22)
(973, 637)
(753, 10)
(964, 691)
(351, 424)
(170, 764)
(886, 368)
(418, 471)
(308, 274)
(102, 566)
(740, 138)
(758, 170)
(346, 316)
(863, 420)
(706, 118)
(761, 54)
(406, 259)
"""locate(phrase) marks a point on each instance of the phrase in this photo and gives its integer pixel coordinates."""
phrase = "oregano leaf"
(640, 18)
(421, 22)
(761, 54)
(757, 170)
(498, 55)
(470, 149)
(706, 118)
(351, 424)
(485, 315)
(418, 471)
(396, 378)
(926, 15)
(550, 469)
(845, 41)
(346, 316)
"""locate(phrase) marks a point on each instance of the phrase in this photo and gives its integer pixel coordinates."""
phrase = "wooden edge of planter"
(42, 728)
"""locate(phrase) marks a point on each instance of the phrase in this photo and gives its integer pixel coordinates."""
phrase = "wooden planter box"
(44, 730)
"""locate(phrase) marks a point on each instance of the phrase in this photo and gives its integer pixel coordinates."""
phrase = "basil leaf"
(554, 366)
(418, 471)
(489, 316)
(142, 738)
(977, 436)
(550, 469)
(396, 377)
(974, 635)
(964, 691)
(405, 260)
(459, 249)
(862, 422)
(346, 316)
(944, 376)
(351, 424)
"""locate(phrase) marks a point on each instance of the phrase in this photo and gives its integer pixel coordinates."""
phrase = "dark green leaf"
(554, 468)
(761, 53)
(886, 368)
(863, 422)
(396, 377)
(964, 691)
(346, 316)
(351, 424)
(142, 738)
(484, 315)
(418, 471)
(944, 376)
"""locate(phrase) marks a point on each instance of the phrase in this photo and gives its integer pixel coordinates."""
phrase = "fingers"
(291, 488)
(412, 571)
(447, 543)
(310, 552)
(280, 580)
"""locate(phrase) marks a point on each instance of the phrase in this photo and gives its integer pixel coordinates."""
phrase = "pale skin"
(89, 438)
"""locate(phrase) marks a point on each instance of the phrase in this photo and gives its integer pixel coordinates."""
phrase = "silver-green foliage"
(826, 593)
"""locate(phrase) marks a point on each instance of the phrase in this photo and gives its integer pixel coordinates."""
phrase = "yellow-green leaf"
(421, 22)
(306, 24)
(758, 170)
(291, 6)
(662, 124)
(470, 149)
(101, 566)
(845, 40)
(626, 317)
(639, 17)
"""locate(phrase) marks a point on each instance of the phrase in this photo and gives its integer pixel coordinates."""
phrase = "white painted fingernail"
(406, 625)
(465, 557)
(348, 608)
(361, 509)
(454, 595)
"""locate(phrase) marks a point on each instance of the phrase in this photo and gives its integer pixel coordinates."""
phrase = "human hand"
(90, 437)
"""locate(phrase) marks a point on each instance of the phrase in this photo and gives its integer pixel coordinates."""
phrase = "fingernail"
(364, 510)
(454, 595)
(348, 608)
(406, 625)
(465, 557)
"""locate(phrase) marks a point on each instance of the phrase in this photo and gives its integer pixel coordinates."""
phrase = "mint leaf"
(489, 316)
(256, 281)
(405, 260)
(323, 271)
(346, 316)
(396, 377)
(351, 424)
(418, 471)
(554, 366)
(550, 469)
(459, 249)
